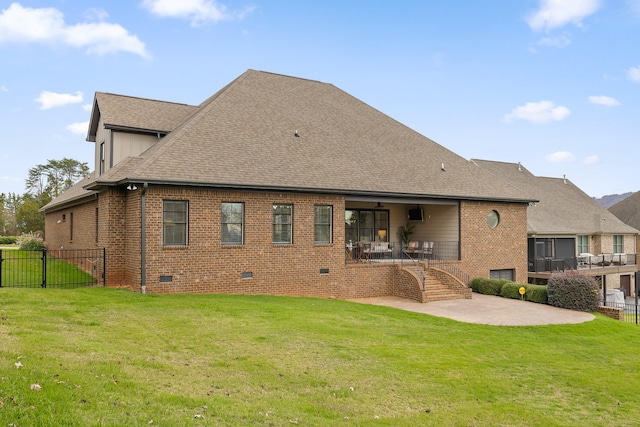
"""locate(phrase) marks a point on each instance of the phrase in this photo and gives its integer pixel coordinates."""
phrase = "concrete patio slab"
(487, 310)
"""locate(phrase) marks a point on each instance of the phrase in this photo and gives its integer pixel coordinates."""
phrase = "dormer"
(125, 126)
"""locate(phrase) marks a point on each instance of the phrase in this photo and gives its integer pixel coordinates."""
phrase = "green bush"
(536, 293)
(8, 240)
(475, 283)
(511, 290)
(30, 242)
(487, 286)
(573, 291)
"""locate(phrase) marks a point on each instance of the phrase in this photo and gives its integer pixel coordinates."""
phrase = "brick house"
(259, 189)
(568, 230)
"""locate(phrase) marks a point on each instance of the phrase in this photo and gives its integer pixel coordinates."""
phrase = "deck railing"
(549, 264)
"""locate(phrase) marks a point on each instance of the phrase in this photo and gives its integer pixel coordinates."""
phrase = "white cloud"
(96, 14)
(3, 88)
(46, 25)
(197, 11)
(591, 160)
(634, 74)
(49, 100)
(87, 107)
(79, 128)
(560, 157)
(562, 41)
(558, 13)
(607, 101)
(539, 112)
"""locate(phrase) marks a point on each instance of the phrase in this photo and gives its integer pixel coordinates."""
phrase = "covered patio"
(395, 229)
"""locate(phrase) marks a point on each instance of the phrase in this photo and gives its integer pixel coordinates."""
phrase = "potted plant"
(404, 233)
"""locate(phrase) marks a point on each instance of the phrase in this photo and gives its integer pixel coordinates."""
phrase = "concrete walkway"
(487, 310)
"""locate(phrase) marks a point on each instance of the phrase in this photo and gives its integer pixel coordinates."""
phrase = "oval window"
(493, 219)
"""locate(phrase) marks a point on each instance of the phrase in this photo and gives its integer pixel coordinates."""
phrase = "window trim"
(274, 224)
(223, 223)
(583, 243)
(375, 226)
(102, 158)
(186, 223)
(618, 244)
(503, 274)
(317, 224)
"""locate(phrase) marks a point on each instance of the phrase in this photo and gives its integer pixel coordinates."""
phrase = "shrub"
(536, 293)
(30, 242)
(573, 291)
(487, 286)
(511, 290)
(8, 240)
(475, 283)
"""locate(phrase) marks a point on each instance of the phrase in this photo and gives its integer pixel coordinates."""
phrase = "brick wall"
(82, 218)
(408, 285)
(207, 266)
(484, 248)
(612, 312)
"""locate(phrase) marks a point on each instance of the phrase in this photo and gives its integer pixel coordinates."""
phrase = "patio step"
(438, 285)
(437, 288)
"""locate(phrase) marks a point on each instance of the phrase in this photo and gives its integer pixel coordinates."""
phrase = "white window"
(618, 244)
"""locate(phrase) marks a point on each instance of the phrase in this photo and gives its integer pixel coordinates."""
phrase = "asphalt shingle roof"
(281, 133)
(134, 113)
(628, 210)
(562, 207)
(245, 136)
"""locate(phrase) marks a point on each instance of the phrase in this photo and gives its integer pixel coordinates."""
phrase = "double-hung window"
(232, 223)
(583, 244)
(618, 244)
(175, 215)
(322, 224)
(282, 223)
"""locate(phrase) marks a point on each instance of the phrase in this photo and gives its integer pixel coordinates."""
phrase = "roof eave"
(97, 184)
(78, 200)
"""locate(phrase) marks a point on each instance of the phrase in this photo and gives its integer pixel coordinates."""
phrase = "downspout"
(143, 239)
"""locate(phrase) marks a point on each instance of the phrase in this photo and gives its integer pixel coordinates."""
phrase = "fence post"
(44, 268)
(637, 280)
(104, 266)
(2, 259)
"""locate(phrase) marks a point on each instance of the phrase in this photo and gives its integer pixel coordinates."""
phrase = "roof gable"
(136, 114)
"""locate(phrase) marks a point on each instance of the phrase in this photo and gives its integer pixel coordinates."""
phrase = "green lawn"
(24, 268)
(104, 357)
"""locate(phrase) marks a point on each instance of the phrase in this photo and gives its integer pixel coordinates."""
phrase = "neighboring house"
(258, 189)
(628, 211)
(569, 230)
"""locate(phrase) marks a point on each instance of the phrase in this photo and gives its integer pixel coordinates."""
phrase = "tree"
(9, 204)
(29, 218)
(48, 181)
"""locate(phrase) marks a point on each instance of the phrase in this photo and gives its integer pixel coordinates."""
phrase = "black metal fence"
(631, 310)
(60, 268)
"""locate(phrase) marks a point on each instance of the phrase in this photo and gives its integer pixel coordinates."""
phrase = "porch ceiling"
(401, 200)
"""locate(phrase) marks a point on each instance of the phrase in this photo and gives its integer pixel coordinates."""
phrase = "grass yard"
(24, 268)
(105, 357)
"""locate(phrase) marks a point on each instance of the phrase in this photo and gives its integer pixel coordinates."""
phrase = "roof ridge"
(145, 99)
(157, 149)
